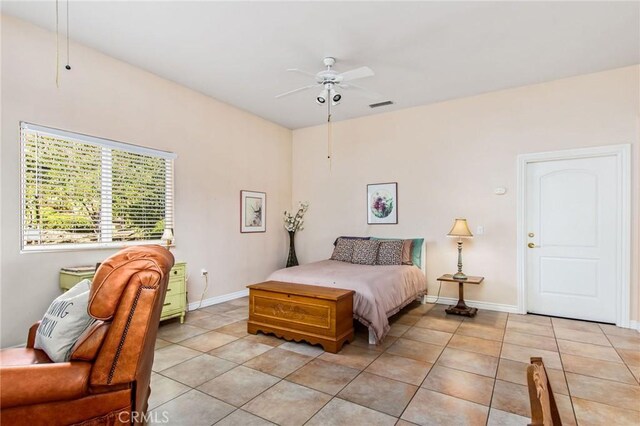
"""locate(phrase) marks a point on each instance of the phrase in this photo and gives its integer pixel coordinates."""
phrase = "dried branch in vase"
(295, 222)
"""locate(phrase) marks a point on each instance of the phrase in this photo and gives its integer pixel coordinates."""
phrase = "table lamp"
(167, 237)
(461, 230)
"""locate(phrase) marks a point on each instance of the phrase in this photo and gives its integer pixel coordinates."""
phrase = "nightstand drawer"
(69, 279)
(176, 285)
(178, 271)
(172, 303)
(175, 303)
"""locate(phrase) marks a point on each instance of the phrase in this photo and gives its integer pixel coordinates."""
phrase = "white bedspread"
(380, 291)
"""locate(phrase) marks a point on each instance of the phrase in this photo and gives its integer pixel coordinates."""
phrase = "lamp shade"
(460, 229)
(167, 235)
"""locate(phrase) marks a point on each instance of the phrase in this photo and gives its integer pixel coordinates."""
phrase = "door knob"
(531, 245)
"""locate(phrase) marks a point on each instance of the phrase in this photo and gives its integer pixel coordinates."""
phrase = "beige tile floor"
(432, 369)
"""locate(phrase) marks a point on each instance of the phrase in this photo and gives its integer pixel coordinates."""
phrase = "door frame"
(622, 153)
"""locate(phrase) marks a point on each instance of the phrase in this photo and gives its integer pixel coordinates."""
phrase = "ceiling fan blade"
(361, 72)
(300, 89)
(365, 92)
(302, 72)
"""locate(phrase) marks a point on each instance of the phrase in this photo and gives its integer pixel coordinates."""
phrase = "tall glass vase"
(292, 260)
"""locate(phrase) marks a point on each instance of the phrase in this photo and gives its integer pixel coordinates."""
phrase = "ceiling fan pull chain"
(330, 139)
(68, 67)
(57, 47)
(329, 136)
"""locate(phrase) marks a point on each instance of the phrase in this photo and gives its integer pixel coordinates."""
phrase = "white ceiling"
(421, 52)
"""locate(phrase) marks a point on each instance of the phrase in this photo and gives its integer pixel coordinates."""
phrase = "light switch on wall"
(480, 230)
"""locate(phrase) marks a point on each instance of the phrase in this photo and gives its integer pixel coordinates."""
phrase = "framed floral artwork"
(253, 214)
(382, 203)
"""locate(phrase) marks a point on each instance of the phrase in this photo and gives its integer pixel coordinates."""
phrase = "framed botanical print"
(253, 215)
(382, 203)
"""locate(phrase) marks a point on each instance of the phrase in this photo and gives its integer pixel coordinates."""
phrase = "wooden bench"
(317, 315)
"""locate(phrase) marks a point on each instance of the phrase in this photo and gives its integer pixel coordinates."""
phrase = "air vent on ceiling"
(381, 104)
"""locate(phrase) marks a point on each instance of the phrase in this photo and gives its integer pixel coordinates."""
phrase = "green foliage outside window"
(70, 188)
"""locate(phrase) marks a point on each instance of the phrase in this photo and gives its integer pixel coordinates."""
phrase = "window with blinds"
(80, 191)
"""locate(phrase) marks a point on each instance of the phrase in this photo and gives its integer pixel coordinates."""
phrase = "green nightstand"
(72, 276)
(175, 301)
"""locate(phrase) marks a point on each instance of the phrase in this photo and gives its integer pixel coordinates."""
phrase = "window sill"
(90, 246)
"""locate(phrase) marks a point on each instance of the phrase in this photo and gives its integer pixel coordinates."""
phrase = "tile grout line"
(351, 381)
(284, 379)
(495, 379)
(621, 358)
(195, 356)
(332, 397)
(187, 385)
(433, 365)
(363, 371)
(189, 359)
(280, 379)
(468, 351)
(564, 373)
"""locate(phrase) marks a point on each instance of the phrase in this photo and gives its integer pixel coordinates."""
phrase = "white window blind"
(80, 191)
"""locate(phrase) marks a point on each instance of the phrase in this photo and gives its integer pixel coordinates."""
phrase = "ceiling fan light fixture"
(321, 99)
(335, 97)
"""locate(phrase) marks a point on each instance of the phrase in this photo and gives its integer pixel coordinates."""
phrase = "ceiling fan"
(328, 80)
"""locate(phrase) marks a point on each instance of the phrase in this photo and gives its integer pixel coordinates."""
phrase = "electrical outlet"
(203, 272)
(480, 230)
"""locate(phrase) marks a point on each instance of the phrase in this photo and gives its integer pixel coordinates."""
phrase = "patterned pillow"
(343, 250)
(407, 249)
(365, 252)
(350, 238)
(390, 252)
(416, 249)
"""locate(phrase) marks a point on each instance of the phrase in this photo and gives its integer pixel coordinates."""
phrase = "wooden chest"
(317, 315)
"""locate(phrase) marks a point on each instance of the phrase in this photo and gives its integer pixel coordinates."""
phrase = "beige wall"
(221, 150)
(447, 159)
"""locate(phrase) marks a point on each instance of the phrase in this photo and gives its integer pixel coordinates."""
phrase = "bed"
(380, 291)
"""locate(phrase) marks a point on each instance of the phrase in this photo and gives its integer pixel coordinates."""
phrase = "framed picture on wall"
(253, 213)
(382, 203)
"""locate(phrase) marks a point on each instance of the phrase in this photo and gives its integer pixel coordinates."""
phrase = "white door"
(571, 225)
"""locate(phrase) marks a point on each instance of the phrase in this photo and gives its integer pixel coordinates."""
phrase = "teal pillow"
(416, 250)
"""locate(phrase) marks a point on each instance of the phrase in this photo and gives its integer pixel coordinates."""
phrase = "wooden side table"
(461, 308)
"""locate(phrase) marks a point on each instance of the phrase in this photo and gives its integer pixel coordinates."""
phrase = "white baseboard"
(512, 309)
(218, 299)
(634, 324)
(489, 306)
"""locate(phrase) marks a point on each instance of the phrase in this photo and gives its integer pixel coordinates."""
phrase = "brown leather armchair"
(107, 378)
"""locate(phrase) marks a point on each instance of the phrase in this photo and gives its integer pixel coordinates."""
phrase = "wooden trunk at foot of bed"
(317, 315)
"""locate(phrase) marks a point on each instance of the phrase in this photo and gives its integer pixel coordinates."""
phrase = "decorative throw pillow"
(350, 238)
(406, 252)
(416, 252)
(365, 252)
(416, 249)
(390, 252)
(64, 322)
(343, 250)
